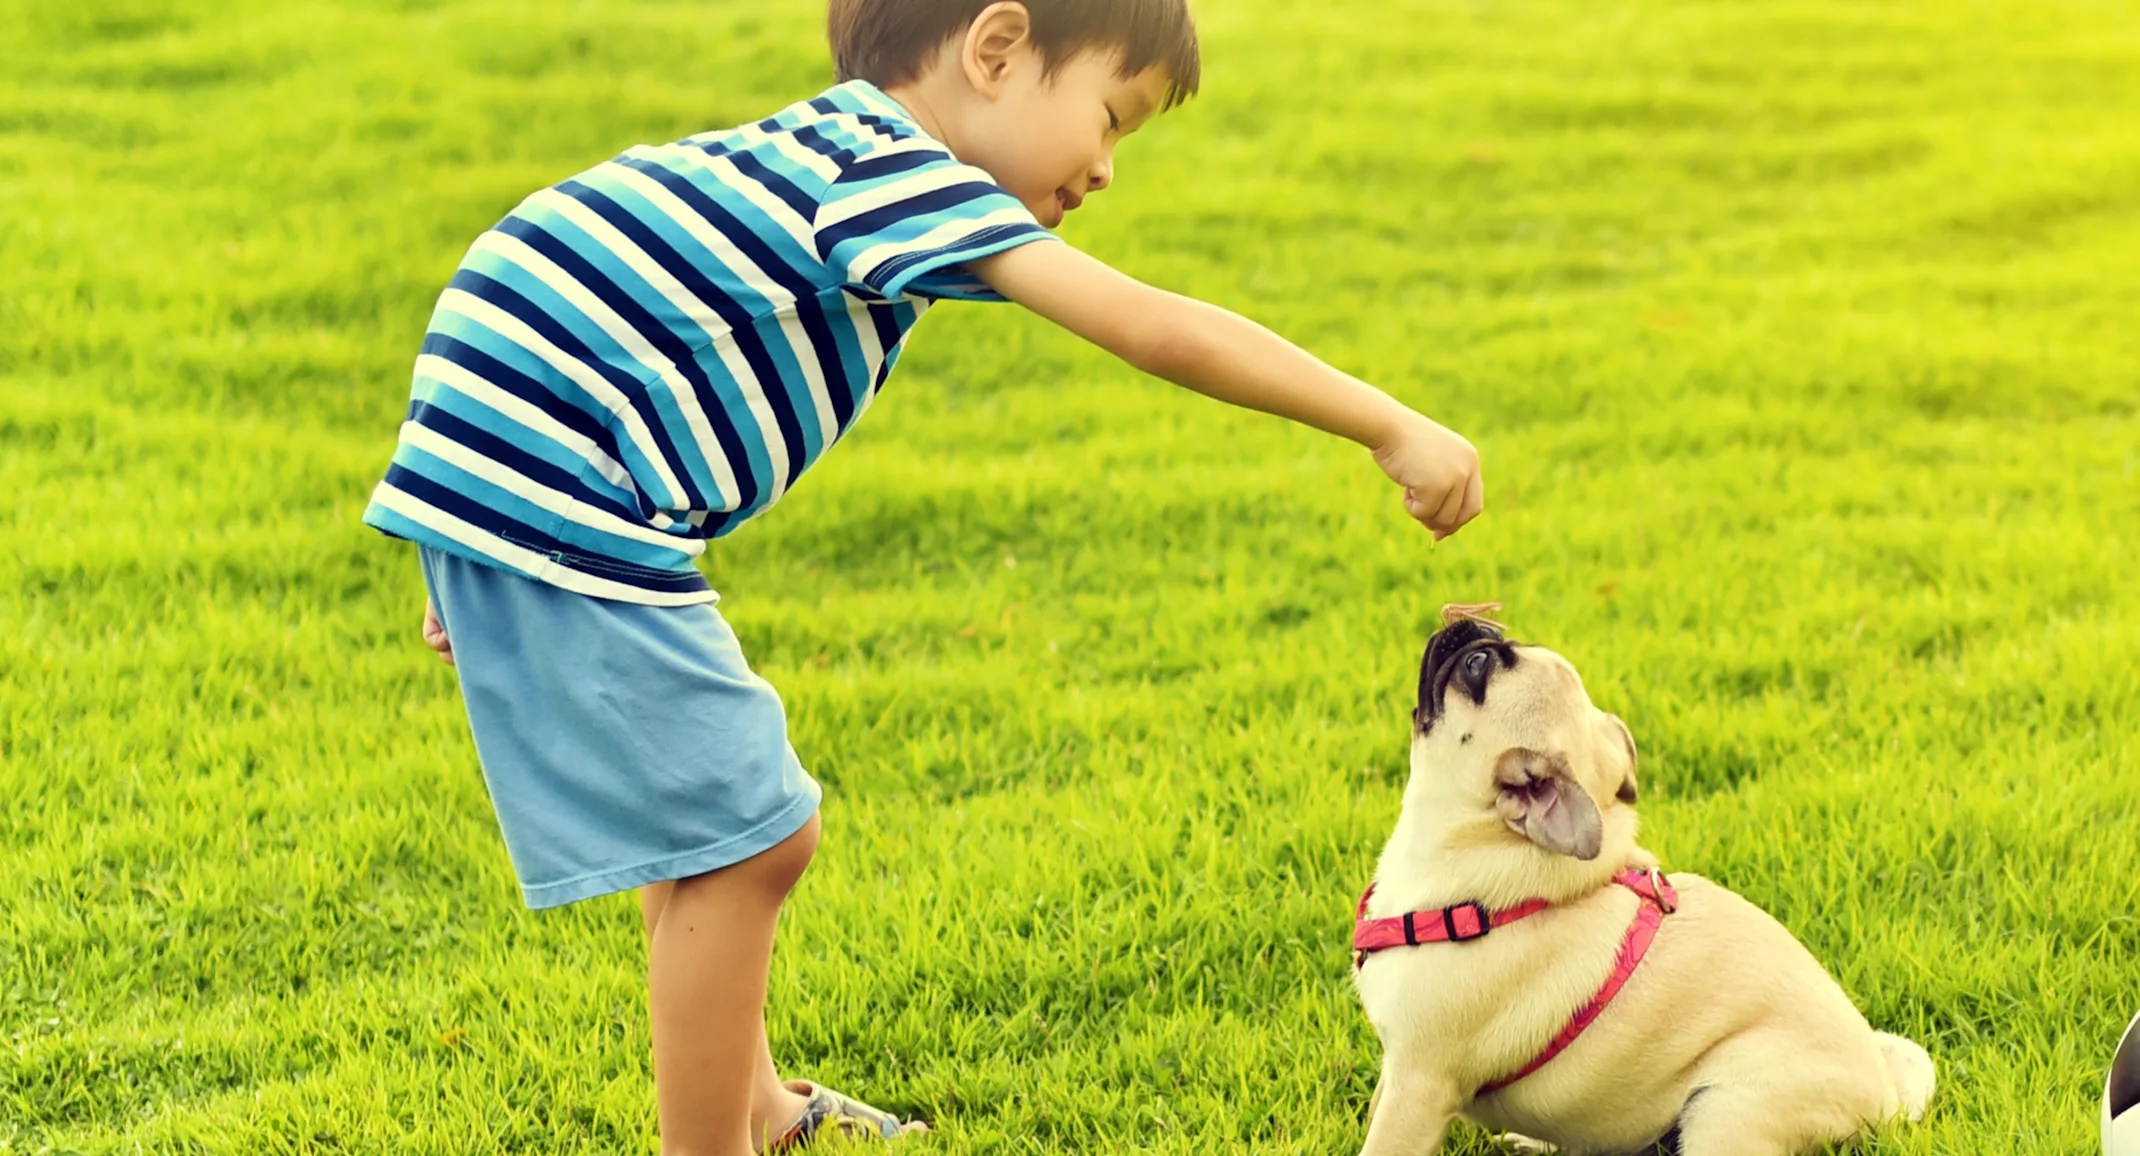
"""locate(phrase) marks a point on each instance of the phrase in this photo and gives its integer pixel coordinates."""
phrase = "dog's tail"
(1910, 1066)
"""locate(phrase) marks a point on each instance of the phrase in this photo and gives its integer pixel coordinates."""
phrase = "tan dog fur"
(1729, 1031)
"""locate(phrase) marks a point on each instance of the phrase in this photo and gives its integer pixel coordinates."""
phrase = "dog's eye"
(1475, 665)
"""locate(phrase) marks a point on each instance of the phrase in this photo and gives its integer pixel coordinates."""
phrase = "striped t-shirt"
(649, 354)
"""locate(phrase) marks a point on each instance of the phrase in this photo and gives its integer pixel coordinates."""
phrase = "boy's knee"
(775, 869)
(796, 851)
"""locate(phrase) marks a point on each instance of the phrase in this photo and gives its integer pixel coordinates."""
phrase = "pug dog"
(1515, 858)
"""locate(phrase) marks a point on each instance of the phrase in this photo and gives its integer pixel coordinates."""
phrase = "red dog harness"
(1464, 922)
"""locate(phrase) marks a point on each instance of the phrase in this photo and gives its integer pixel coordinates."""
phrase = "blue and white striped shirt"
(649, 354)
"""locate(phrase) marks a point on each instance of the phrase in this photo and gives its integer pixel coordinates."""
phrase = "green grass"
(1799, 338)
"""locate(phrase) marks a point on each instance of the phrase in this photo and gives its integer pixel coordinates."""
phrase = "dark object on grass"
(2121, 1096)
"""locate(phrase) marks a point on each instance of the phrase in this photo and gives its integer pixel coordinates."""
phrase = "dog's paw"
(1524, 1145)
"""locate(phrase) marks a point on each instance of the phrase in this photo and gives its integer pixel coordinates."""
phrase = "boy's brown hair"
(887, 42)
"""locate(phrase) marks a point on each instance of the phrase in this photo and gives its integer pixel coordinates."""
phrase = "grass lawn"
(1799, 338)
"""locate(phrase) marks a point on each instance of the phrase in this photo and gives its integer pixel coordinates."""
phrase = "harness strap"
(1463, 922)
(1632, 948)
(1456, 923)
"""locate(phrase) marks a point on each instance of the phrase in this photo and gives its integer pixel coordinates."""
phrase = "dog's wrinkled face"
(1510, 729)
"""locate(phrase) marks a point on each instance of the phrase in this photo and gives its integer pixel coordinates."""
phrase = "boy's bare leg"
(710, 943)
(651, 898)
(773, 1106)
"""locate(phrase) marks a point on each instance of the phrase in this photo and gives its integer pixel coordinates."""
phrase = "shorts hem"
(711, 857)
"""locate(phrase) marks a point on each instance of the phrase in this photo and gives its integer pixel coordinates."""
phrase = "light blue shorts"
(623, 744)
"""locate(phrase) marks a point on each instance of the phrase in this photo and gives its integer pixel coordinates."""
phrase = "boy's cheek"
(1023, 181)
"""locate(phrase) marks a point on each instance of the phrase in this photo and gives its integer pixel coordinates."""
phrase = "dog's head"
(1509, 747)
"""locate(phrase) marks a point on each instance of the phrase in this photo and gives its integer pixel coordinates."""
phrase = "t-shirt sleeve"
(905, 219)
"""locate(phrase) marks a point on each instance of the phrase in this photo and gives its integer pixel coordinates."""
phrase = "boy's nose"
(1102, 175)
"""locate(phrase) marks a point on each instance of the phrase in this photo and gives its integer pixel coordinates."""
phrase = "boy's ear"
(992, 43)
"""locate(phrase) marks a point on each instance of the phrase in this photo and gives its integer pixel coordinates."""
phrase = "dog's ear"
(1629, 792)
(1540, 800)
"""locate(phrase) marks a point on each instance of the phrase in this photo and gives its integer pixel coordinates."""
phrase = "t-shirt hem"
(548, 571)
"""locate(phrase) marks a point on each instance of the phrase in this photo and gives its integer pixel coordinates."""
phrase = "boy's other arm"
(1223, 355)
(435, 634)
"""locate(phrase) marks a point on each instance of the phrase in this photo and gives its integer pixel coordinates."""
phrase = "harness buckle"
(1657, 886)
(1481, 921)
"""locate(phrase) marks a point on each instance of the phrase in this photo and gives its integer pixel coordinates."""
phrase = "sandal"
(830, 1111)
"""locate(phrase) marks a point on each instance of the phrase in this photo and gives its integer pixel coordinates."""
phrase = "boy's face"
(1050, 141)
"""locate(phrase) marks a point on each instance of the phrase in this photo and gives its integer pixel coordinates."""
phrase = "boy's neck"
(925, 107)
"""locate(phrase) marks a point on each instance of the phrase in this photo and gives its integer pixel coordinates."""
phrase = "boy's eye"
(1114, 123)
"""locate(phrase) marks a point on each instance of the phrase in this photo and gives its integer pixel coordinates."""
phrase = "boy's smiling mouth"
(1068, 200)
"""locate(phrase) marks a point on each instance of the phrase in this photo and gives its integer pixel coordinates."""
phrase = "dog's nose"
(1464, 654)
(1473, 670)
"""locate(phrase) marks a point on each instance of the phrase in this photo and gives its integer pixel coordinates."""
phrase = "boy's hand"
(1439, 471)
(435, 634)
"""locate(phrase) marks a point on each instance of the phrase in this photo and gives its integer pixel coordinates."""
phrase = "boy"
(649, 354)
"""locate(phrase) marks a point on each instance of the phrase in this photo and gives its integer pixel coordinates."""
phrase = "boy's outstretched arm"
(1226, 356)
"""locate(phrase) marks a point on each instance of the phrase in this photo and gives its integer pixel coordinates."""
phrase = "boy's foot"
(830, 1112)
